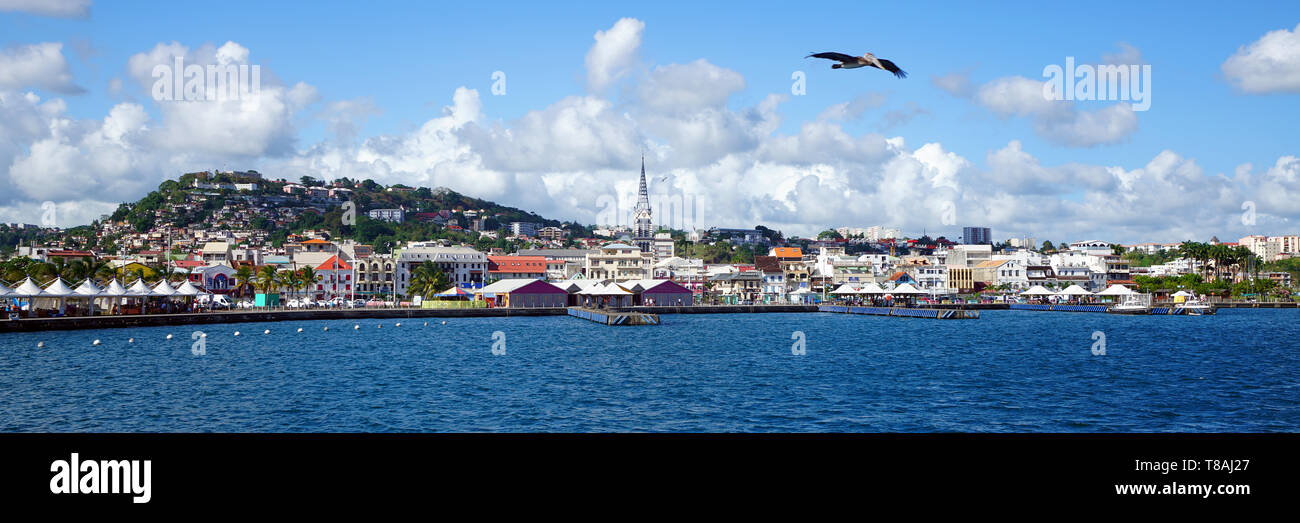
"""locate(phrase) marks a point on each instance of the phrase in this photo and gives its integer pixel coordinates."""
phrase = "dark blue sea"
(1010, 371)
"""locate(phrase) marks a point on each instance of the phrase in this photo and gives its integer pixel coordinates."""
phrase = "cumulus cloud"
(54, 8)
(957, 83)
(1057, 120)
(37, 65)
(733, 163)
(255, 123)
(1268, 65)
(612, 56)
(853, 109)
(685, 88)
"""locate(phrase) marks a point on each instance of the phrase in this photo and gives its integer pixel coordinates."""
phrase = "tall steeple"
(643, 194)
(643, 229)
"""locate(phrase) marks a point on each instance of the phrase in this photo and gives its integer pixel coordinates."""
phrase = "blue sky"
(406, 59)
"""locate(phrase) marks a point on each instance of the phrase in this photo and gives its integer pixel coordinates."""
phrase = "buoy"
(426, 324)
(267, 331)
(40, 344)
(299, 329)
(444, 322)
(96, 342)
(356, 327)
(236, 333)
(327, 328)
(379, 326)
(130, 340)
(399, 324)
(204, 335)
(169, 336)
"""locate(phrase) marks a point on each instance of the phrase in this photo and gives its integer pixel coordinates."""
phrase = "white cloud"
(684, 88)
(256, 124)
(613, 54)
(36, 65)
(565, 158)
(1268, 65)
(853, 109)
(956, 84)
(55, 8)
(1057, 120)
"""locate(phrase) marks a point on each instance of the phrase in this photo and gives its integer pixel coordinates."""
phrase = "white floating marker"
(267, 331)
(327, 328)
(236, 333)
(40, 344)
(299, 329)
(356, 327)
(130, 340)
(169, 336)
(399, 324)
(426, 324)
(96, 342)
(379, 326)
(444, 322)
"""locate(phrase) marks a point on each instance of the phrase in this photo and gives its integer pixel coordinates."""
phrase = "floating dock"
(902, 312)
(1166, 310)
(614, 317)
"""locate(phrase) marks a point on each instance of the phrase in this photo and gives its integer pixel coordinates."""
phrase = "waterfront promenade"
(243, 316)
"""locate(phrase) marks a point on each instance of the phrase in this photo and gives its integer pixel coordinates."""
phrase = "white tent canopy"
(906, 288)
(138, 289)
(26, 289)
(1184, 294)
(872, 288)
(58, 288)
(1074, 290)
(163, 289)
(1037, 290)
(1116, 290)
(4, 290)
(88, 288)
(114, 288)
(612, 289)
(845, 289)
(188, 289)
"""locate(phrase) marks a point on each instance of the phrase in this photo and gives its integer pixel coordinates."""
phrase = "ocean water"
(1010, 371)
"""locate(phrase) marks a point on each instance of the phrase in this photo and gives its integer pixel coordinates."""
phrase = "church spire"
(643, 195)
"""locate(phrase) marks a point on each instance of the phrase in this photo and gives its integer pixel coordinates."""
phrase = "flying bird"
(854, 62)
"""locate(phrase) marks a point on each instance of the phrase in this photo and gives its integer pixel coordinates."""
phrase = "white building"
(619, 262)
(464, 266)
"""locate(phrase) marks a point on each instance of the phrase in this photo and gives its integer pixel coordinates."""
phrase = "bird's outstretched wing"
(889, 66)
(840, 57)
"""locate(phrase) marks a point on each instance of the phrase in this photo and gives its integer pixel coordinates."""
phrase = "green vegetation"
(1142, 259)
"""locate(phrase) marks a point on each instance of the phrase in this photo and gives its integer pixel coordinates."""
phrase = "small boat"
(1195, 307)
(1132, 304)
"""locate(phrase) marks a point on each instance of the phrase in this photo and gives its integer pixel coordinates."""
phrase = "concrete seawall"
(154, 320)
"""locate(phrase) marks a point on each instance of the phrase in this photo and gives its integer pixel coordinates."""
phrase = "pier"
(903, 312)
(614, 317)
(1158, 310)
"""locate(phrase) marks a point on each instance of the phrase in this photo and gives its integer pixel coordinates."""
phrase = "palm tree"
(306, 277)
(89, 267)
(427, 279)
(243, 275)
(267, 279)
